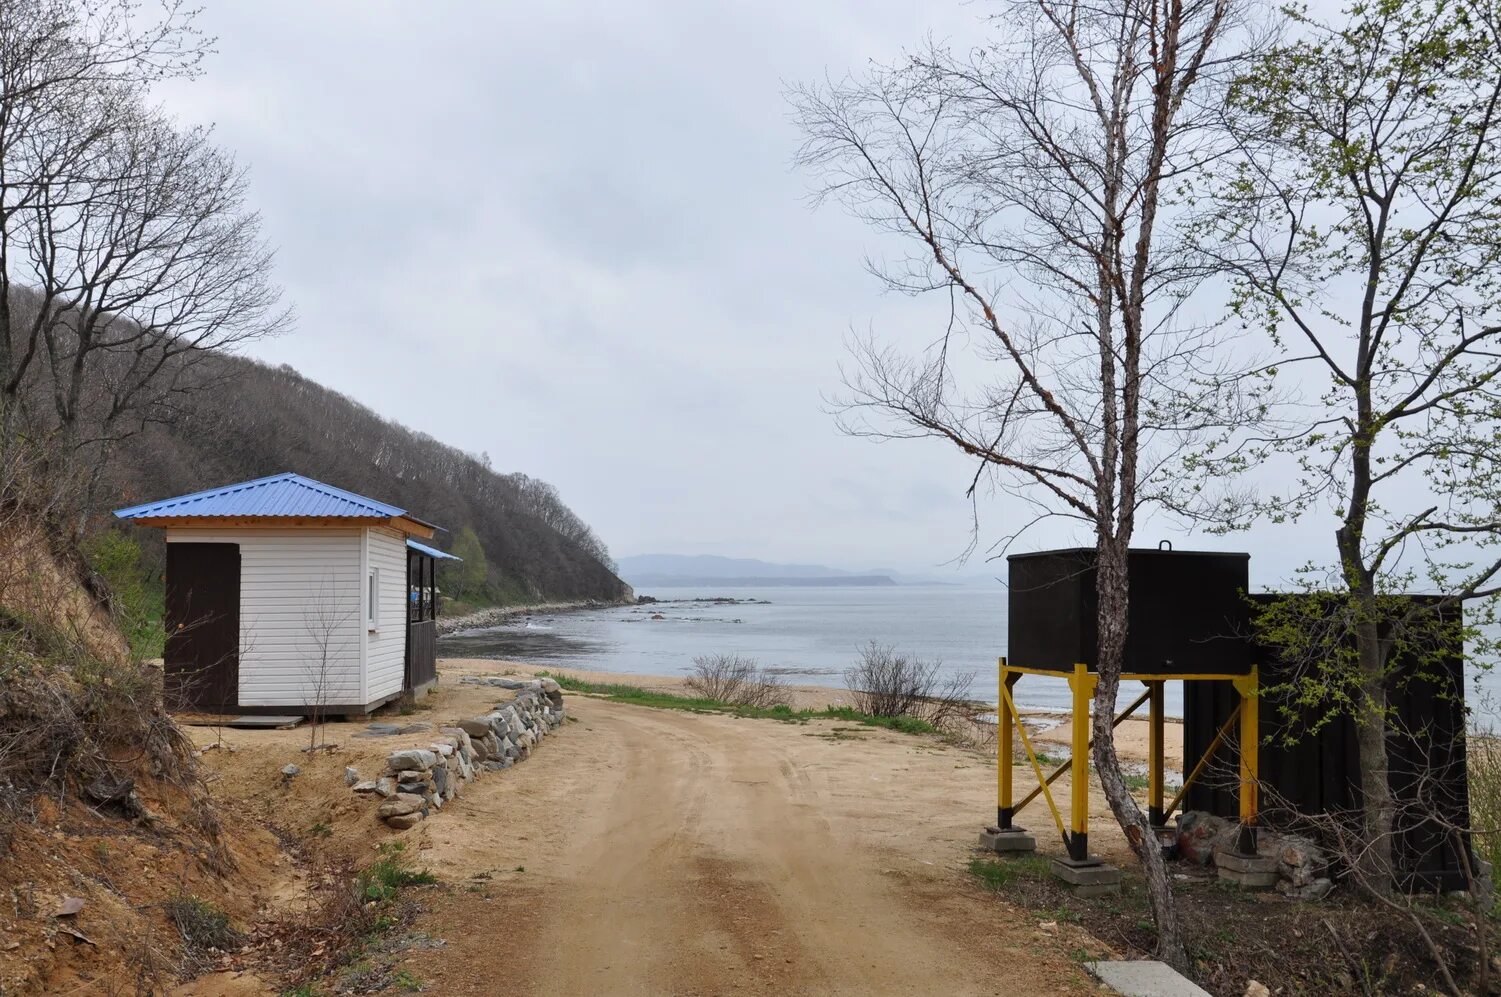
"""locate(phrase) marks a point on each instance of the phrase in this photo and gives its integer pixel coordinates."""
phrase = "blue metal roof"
(432, 551)
(279, 495)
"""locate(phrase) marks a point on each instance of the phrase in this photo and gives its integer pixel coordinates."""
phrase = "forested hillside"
(257, 420)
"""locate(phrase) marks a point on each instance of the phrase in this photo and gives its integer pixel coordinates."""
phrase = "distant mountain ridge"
(768, 581)
(706, 570)
(714, 566)
(699, 570)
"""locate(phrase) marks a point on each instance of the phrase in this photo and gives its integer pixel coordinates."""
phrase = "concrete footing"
(1251, 872)
(1089, 877)
(1007, 841)
(1144, 978)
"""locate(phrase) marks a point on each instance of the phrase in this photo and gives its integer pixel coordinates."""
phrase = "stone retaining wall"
(420, 780)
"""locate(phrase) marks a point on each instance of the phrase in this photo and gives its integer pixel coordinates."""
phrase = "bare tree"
(126, 249)
(328, 625)
(1033, 179)
(1361, 228)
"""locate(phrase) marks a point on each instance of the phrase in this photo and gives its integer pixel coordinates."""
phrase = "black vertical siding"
(1319, 773)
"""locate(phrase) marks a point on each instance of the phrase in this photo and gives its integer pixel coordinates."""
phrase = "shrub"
(729, 678)
(69, 718)
(887, 683)
(136, 602)
(203, 928)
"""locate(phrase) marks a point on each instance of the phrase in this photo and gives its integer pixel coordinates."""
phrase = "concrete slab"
(1090, 878)
(245, 723)
(1011, 840)
(1251, 872)
(1144, 978)
(1236, 862)
(1248, 880)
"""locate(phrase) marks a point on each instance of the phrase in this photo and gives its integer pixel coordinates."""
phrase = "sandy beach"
(1049, 729)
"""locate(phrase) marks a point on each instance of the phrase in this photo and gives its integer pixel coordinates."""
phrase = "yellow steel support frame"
(1053, 776)
(1004, 810)
(1082, 684)
(1250, 757)
(1137, 676)
(1009, 706)
(1155, 732)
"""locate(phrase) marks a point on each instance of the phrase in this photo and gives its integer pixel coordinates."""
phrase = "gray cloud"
(569, 235)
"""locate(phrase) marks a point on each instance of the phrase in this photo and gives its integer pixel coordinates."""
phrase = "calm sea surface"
(809, 635)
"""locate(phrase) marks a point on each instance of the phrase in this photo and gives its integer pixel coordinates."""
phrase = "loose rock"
(400, 805)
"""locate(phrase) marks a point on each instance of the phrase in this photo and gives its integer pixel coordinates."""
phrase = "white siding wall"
(299, 590)
(387, 645)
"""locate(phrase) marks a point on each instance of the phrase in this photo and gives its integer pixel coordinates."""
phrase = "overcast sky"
(570, 235)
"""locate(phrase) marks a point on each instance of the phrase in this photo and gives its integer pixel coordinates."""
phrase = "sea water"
(808, 635)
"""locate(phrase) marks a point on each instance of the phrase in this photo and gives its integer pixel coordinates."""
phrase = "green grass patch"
(137, 599)
(383, 878)
(997, 874)
(403, 980)
(637, 696)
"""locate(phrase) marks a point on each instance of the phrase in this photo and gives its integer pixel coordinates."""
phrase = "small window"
(372, 600)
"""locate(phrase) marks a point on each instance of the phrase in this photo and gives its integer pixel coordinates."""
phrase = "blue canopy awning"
(432, 551)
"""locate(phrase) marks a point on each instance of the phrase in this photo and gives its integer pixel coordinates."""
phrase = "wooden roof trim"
(414, 527)
(411, 527)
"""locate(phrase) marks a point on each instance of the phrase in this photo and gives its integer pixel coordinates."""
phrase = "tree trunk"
(1377, 806)
(1113, 593)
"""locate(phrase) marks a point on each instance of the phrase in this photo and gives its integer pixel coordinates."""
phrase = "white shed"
(287, 595)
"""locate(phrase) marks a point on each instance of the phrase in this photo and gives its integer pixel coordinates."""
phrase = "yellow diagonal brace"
(1204, 759)
(1032, 757)
(1058, 772)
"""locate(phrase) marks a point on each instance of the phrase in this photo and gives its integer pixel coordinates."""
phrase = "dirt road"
(660, 852)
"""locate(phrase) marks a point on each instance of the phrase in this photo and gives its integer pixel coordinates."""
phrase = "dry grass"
(1484, 761)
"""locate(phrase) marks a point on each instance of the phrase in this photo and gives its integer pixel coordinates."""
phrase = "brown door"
(202, 661)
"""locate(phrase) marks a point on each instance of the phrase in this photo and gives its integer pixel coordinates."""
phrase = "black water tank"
(1188, 611)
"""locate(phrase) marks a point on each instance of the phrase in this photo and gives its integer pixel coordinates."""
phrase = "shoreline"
(482, 618)
(1045, 726)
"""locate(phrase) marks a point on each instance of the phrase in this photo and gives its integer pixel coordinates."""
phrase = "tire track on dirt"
(693, 854)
